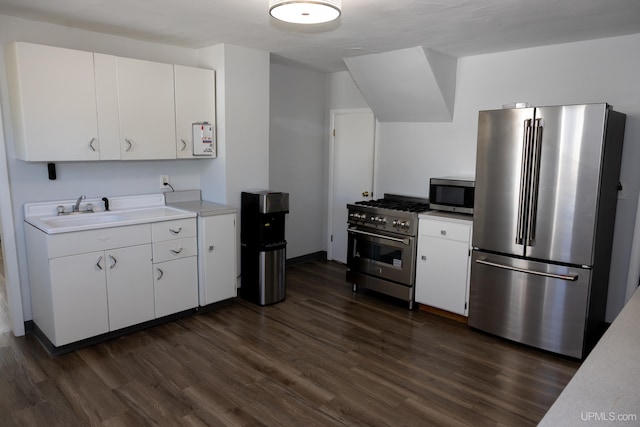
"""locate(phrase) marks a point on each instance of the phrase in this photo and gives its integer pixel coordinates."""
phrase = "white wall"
(213, 181)
(247, 120)
(296, 162)
(342, 92)
(593, 71)
(242, 110)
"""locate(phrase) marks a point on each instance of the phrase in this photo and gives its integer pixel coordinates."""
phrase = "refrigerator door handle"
(524, 182)
(567, 277)
(535, 181)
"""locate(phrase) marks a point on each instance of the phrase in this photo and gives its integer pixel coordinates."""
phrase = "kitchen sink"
(82, 219)
(53, 224)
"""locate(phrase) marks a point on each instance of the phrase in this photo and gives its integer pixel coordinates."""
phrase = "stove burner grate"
(399, 205)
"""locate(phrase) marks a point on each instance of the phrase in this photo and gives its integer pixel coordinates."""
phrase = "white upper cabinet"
(70, 105)
(195, 93)
(53, 103)
(147, 110)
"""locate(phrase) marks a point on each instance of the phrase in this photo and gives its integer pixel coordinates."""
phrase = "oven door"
(383, 255)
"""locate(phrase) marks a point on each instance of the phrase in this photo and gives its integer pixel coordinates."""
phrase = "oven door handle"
(380, 236)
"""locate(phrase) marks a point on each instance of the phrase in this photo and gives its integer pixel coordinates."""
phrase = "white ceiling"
(454, 27)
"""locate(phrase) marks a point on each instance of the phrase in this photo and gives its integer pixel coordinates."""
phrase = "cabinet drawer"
(167, 230)
(80, 242)
(445, 230)
(174, 249)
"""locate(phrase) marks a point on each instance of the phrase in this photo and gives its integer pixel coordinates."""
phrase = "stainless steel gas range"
(382, 245)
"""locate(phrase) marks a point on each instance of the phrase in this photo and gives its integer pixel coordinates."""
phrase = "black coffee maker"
(263, 252)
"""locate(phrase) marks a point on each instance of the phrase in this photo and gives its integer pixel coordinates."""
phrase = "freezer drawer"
(534, 303)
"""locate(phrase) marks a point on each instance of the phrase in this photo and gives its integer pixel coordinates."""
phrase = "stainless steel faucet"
(76, 207)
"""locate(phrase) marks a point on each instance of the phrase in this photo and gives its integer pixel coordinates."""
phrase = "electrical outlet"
(164, 179)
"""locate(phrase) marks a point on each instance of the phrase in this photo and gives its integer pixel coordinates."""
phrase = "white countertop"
(450, 216)
(190, 200)
(606, 388)
(204, 208)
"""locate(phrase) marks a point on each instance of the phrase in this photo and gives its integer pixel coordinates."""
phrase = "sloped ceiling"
(407, 85)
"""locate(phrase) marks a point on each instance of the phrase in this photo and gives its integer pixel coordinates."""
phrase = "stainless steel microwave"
(452, 194)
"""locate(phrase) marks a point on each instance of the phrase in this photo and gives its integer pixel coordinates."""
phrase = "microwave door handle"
(366, 233)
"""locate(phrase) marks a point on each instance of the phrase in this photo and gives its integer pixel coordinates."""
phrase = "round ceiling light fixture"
(305, 12)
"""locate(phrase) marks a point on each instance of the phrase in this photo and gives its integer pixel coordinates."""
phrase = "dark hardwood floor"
(322, 357)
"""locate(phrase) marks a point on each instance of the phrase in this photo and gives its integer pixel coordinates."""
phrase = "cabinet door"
(442, 267)
(53, 103)
(147, 111)
(445, 286)
(79, 294)
(129, 286)
(107, 105)
(175, 285)
(195, 102)
(218, 258)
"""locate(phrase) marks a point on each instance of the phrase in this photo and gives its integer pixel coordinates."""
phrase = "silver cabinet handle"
(211, 248)
(176, 251)
(91, 144)
(423, 257)
(115, 261)
(568, 277)
(184, 144)
(129, 144)
(98, 262)
(443, 232)
(174, 231)
(160, 274)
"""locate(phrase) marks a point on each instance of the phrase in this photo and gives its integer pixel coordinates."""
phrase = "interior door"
(563, 223)
(352, 173)
(499, 169)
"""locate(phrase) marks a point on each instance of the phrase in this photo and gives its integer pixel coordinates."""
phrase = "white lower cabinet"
(78, 299)
(87, 283)
(171, 294)
(129, 286)
(175, 266)
(102, 291)
(443, 264)
(218, 271)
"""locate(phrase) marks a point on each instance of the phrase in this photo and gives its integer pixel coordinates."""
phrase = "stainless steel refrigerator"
(544, 211)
